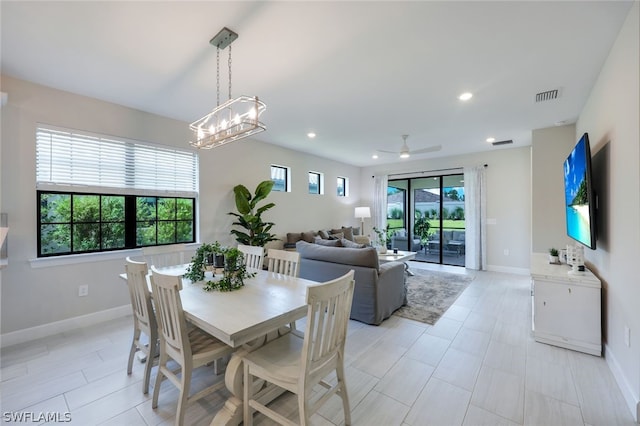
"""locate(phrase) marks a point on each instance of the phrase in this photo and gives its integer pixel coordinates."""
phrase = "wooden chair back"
(283, 262)
(329, 306)
(171, 320)
(253, 256)
(162, 256)
(143, 312)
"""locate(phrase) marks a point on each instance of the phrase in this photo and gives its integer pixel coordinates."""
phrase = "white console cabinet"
(566, 307)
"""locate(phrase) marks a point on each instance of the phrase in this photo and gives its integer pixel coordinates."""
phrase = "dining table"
(244, 319)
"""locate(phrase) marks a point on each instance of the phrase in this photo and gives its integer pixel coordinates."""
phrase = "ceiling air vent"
(498, 143)
(549, 95)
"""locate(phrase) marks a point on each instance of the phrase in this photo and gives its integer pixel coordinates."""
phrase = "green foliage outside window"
(80, 223)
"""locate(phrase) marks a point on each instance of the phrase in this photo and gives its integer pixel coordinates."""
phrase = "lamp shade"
(362, 212)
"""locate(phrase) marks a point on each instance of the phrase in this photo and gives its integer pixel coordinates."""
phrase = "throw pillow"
(309, 236)
(336, 236)
(348, 233)
(351, 244)
(323, 234)
(293, 237)
(330, 243)
(401, 233)
(356, 231)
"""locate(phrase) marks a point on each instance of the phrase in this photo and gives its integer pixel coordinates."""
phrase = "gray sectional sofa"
(379, 288)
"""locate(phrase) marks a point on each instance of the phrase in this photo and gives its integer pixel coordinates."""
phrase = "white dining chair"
(283, 262)
(144, 318)
(166, 255)
(298, 364)
(189, 347)
(253, 256)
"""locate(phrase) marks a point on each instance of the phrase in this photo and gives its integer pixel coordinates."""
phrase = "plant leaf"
(243, 197)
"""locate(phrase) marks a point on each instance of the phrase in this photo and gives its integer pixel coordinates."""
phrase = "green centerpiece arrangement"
(234, 270)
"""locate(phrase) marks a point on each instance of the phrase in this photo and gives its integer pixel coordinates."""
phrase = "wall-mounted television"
(579, 196)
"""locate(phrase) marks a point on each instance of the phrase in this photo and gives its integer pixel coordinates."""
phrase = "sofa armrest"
(388, 267)
(362, 239)
(392, 290)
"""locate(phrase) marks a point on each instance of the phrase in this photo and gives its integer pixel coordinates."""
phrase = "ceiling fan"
(405, 152)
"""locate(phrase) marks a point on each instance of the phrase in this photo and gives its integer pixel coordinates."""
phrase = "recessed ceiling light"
(465, 96)
(311, 135)
(374, 156)
(490, 140)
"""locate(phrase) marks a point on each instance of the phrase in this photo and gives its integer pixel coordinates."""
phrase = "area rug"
(431, 293)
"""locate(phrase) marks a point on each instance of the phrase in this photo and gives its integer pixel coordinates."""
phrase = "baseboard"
(33, 333)
(631, 399)
(508, 270)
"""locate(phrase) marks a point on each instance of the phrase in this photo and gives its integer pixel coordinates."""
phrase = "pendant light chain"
(229, 71)
(218, 76)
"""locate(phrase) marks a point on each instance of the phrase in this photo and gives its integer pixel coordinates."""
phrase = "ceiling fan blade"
(427, 149)
(387, 152)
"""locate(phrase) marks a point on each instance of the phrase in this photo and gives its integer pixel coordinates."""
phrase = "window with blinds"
(69, 158)
(98, 193)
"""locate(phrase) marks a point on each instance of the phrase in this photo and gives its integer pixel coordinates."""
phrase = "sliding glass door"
(426, 215)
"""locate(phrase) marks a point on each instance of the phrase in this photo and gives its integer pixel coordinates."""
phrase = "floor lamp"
(361, 213)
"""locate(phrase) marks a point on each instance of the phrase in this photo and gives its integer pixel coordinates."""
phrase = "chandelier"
(232, 120)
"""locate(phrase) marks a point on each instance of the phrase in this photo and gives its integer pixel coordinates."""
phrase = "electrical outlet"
(627, 336)
(83, 290)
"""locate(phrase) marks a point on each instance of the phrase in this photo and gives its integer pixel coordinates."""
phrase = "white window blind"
(66, 157)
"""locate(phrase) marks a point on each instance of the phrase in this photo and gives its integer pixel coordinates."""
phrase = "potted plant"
(553, 256)
(249, 215)
(422, 228)
(233, 273)
(381, 239)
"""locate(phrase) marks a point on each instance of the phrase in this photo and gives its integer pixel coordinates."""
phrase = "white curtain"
(475, 217)
(379, 214)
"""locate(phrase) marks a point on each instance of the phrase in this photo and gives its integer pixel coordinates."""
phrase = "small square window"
(341, 187)
(280, 175)
(315, 183)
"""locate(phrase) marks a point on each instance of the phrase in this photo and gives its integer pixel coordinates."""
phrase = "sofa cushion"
(293, 237)
(309, 237)
(336, 236)
(351, 244)
(348, 232)
(328, 243)
(401, 233)
(324, 234)
(366, 257)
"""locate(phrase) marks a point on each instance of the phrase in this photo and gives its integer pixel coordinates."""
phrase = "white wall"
(549, 148)
(33, 297)
(508, 200)
(611, 117)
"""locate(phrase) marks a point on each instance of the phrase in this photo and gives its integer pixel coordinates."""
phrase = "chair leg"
(247, 395)
(134, 348)
(162, 364)
(148, 366)
(303, 408)
(343, 393)
(185, 383)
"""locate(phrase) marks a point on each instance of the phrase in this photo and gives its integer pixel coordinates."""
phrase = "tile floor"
(479, 365)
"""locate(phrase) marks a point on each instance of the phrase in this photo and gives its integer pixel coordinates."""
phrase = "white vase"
(382, 249)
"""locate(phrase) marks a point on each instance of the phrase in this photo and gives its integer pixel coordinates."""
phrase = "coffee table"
(400, 256)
